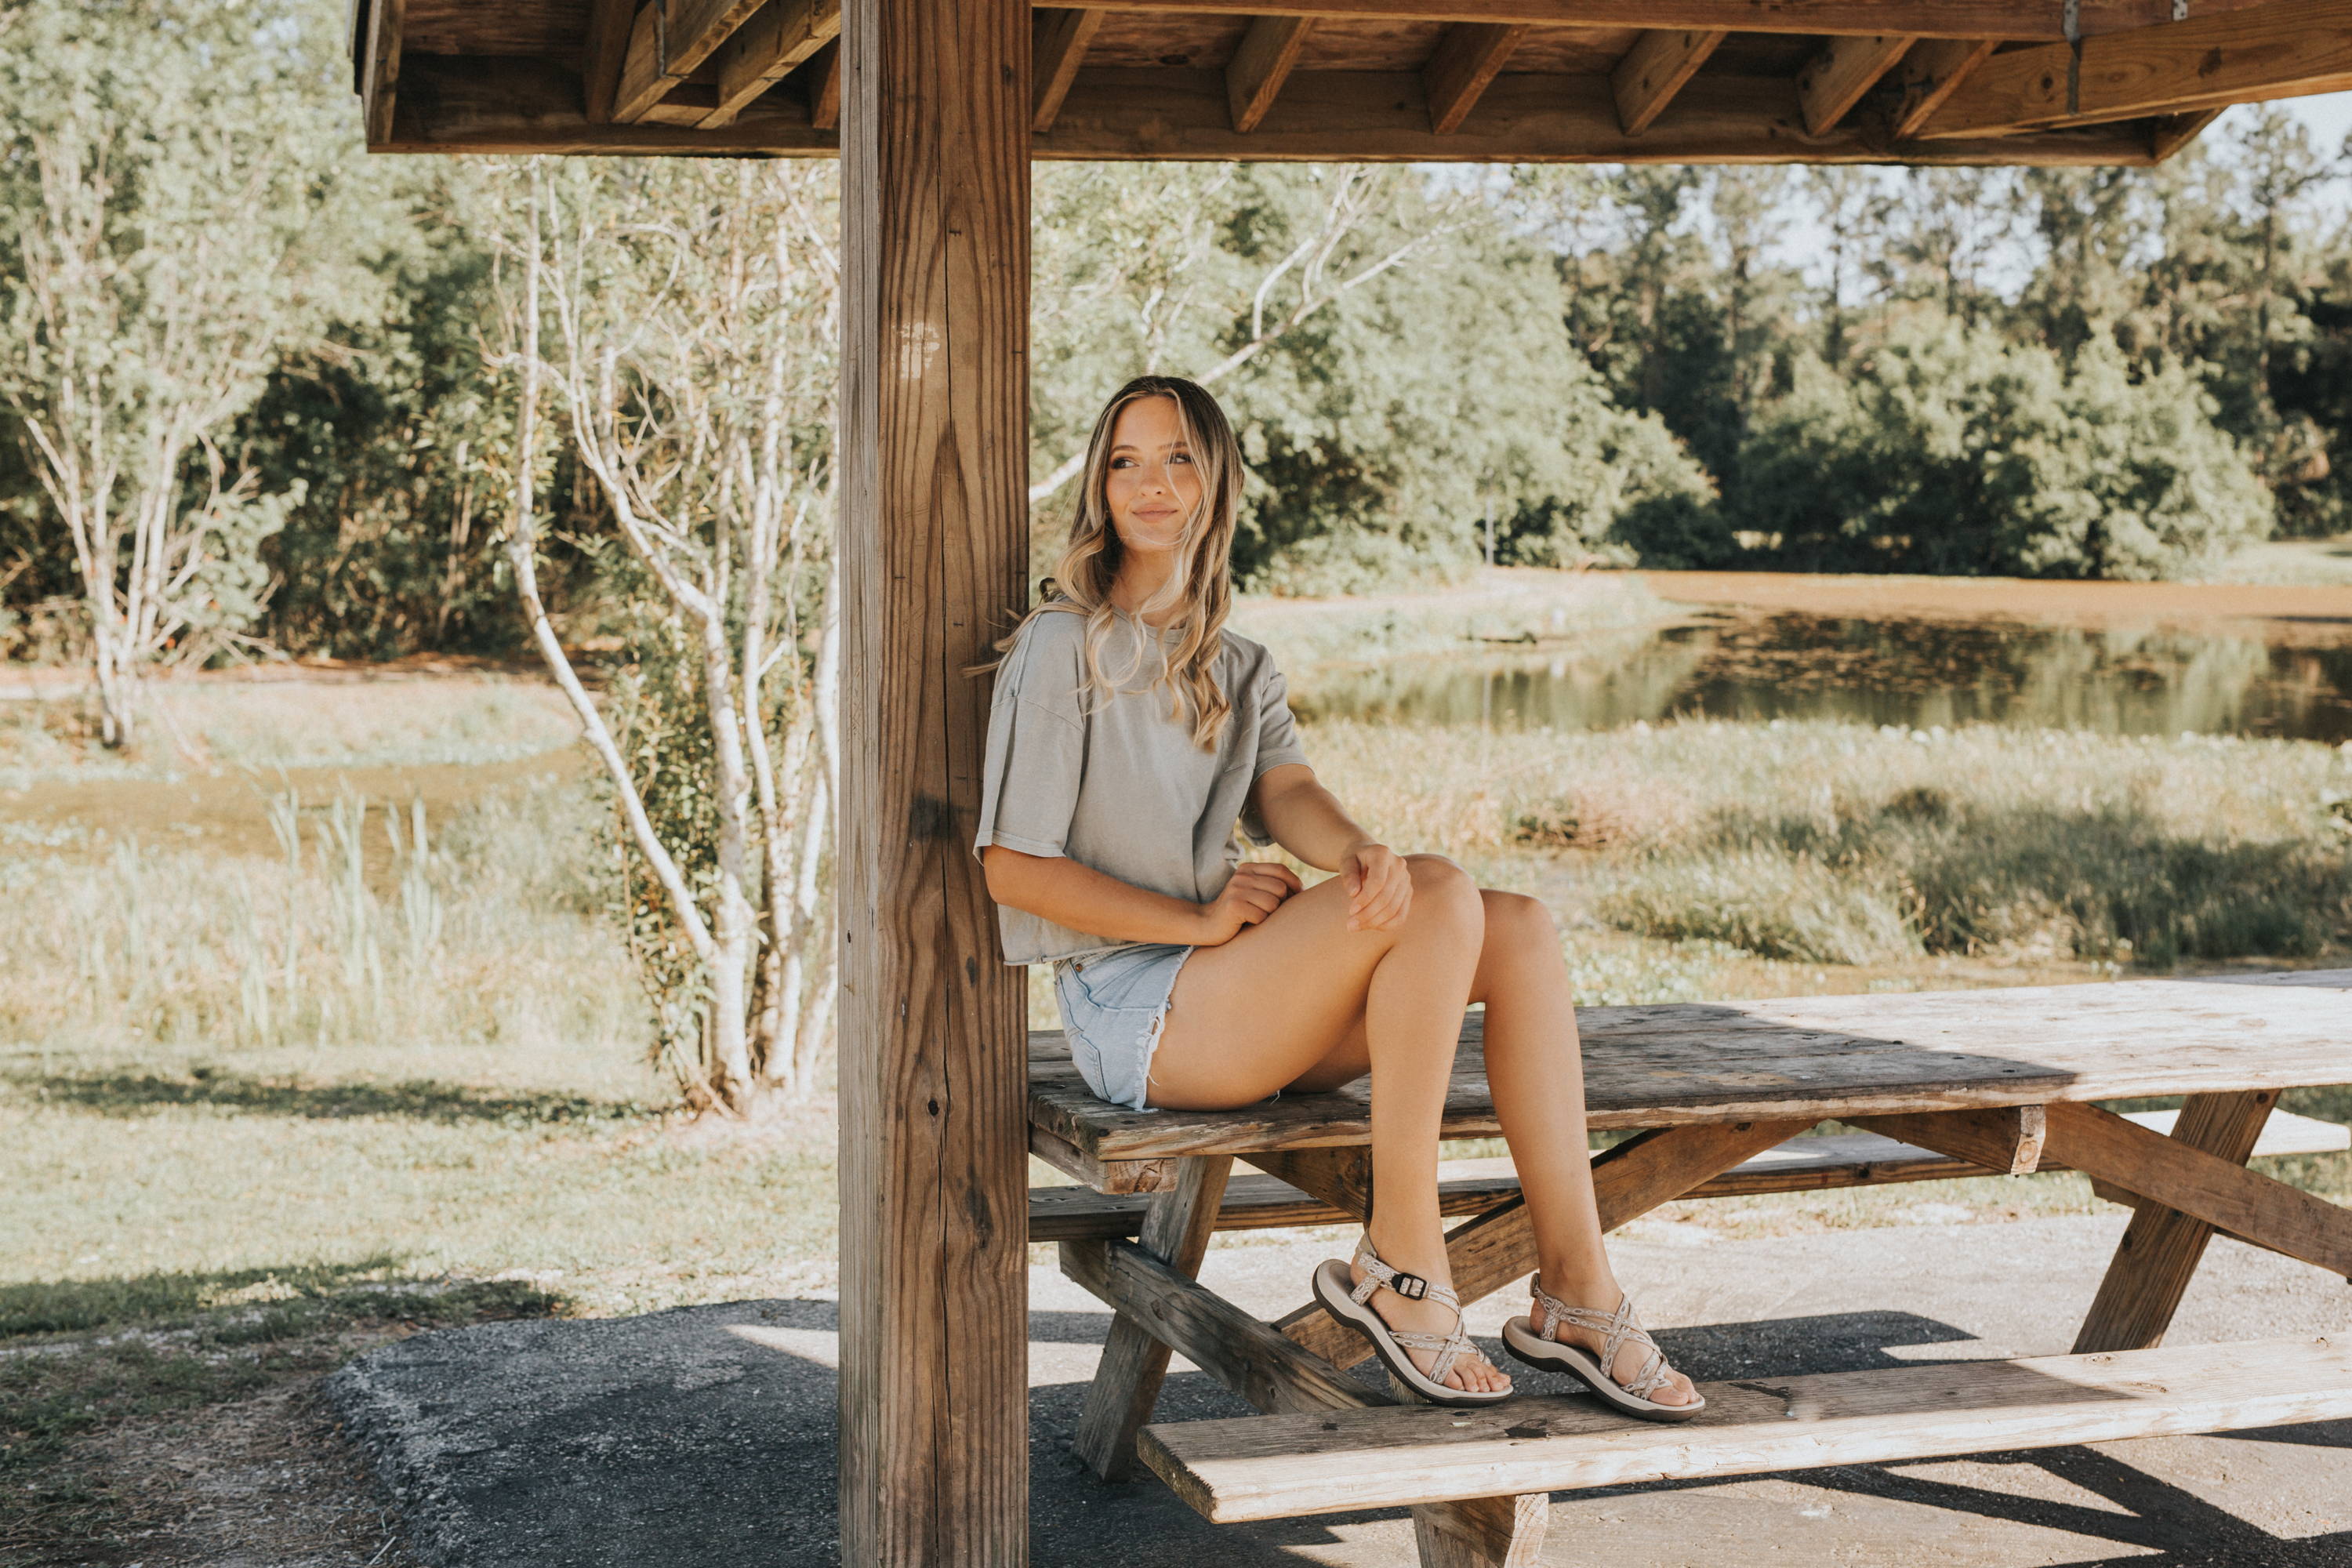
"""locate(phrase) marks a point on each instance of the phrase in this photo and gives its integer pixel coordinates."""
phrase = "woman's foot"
(1633, 1365)
(1471, 1372)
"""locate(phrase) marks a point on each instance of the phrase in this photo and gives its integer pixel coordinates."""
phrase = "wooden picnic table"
(1941, 1083)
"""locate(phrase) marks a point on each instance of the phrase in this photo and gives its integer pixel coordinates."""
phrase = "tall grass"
(1833, 843)
(370, 924)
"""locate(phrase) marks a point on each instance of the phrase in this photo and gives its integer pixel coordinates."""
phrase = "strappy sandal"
(1348, 1301)
(1618, 1328)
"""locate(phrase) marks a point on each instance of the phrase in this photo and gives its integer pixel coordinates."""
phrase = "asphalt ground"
(706, 1435)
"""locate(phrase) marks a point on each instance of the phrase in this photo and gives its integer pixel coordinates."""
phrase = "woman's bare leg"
(1274, 1007)
(1536, 1071)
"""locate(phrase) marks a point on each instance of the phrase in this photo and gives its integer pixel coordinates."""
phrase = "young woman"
(1131, 731)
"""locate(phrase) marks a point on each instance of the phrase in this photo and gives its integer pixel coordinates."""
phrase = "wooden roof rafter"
(1898, 81)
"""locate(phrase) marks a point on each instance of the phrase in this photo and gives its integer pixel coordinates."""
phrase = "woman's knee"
(1518, 924)
(1443, 892)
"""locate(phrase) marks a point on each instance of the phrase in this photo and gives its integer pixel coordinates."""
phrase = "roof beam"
(609, 24)
(1468, 58)
(2174, 131)
(1653, 71)
(1059, 43)
(824, 91)
(670, 38)
(1269, 52)
(1931, 73)
(769, 48)
(1840, 75)
(452, 103)
(380, 66)
(2285, 50)
(2024, 21)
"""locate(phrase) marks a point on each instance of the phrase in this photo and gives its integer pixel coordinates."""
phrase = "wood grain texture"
(1257, 1468)
(1268, 53)
(2022, 20)
(1932, 70)
(933, 538)
(528, 106)
(1059, 40)
(1248, 1357)
(1341, 1179)
(1126, 1380)
(1125, 1177)
(1837, 77)
(606, 46)
(825, 89)
(2216, 1189)
(2287, 48)
(2006, 1141)
(379, 66)
(1468, 60)
(769, 46)
(1483, 1532)
(1655, 70)
(1812, 1057)
(2161, 1248)
(670, 39)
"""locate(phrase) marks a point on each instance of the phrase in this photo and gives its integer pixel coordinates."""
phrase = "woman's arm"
(1307, 820)
(1068, 894)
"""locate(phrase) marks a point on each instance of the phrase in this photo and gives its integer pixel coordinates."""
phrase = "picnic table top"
(1812, 1057)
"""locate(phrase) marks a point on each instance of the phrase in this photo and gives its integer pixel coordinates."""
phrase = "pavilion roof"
(1901, 81)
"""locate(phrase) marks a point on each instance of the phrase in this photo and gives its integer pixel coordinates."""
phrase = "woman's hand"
(1379, 888)
(1255, 891)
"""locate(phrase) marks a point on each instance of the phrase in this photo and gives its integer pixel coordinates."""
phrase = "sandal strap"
(1412, 1287)
(1444, 1349)
(1617, 1329)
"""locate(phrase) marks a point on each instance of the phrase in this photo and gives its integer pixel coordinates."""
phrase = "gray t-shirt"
(1119, 784)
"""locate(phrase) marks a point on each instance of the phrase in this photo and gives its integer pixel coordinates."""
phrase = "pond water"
(1911, 672)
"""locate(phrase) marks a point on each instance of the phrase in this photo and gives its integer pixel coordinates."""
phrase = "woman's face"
(1154, 486)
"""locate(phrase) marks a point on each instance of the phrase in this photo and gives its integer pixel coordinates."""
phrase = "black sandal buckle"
(1412, 1287)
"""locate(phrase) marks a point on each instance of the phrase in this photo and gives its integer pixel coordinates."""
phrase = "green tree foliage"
(180, 209)
(1946, 449)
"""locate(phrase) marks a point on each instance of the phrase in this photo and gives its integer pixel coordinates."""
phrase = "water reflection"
(1881, 671)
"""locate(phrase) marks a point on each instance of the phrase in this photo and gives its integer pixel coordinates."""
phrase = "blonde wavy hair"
(1200, 590)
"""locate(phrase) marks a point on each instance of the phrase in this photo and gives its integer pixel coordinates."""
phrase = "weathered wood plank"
(1259, 1468)
(1251, 1203)
(1058, 47)
(825, 93)
(2214, 1188)
(1126, 1380)
(2006, 1141)
(767, 49)
(1499, 1248)
(1931, 72)
(2287, 48)
(1816, 1058)
(933, 534)
(1340, 1178)
(1269, 52)
(1655, 70)
(2161, 1248)
(1468, 58)
(1152, 1175)
(1837, 77)
(1483, 1532)
(1248, 1357)
(2022, 20)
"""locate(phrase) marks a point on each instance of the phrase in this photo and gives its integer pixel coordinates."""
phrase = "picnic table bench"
(1937, 1084)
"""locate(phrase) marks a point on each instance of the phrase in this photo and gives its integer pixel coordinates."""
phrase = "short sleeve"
(1036, 756)
(1277, 730)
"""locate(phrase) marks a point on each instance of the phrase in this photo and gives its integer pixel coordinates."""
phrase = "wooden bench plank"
(1812, 1058)
(1469, 1187)
(1333, 1461)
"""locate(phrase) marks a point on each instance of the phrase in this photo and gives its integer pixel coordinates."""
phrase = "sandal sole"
(1550, 1355)
(1334, 1291)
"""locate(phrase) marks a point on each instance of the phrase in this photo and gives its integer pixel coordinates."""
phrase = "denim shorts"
(1113, 1007)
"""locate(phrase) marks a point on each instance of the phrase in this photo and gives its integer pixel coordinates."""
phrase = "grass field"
(281, 1076)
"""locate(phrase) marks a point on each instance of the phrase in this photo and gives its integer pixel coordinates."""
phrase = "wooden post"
(933, 535)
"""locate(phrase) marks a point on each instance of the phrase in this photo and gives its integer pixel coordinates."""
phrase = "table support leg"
(1176, 1229)
(2161, 1247)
